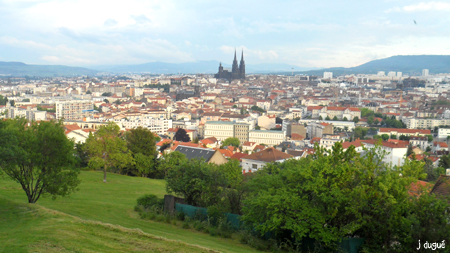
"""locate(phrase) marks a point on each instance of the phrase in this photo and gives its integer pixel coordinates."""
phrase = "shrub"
(215, 214)
(150, 200)
(181, 216)
(186, 225)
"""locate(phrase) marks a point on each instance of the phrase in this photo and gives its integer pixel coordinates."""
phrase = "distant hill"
(408, 64)
(22, 69)
(204, 67)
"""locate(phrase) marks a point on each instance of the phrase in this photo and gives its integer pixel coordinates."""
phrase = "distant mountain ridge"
(201, 67)
(22, 69)
(407, 64)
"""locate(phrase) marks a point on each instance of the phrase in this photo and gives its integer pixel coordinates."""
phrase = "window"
(254, 166)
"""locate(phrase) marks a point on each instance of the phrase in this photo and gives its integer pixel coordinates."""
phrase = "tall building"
(425, 72)
(327, 75)
(73, 109)
(222, 130)
(237, 71)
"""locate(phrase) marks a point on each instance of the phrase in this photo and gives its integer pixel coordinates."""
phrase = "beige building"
(319, 129)
(267, 122)
(226, 129)
(266, 137)
(403, 131)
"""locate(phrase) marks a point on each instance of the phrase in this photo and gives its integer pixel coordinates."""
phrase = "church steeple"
(242, 66)
(235, 73)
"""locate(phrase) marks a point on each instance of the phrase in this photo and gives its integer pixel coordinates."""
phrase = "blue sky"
(303, 33)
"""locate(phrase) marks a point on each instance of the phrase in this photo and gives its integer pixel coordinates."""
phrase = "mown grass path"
(110, 202)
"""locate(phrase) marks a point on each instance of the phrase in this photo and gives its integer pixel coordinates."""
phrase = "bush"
(181, 216)
(150, 200)
(215, 214)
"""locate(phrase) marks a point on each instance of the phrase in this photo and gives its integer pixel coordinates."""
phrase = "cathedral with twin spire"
(237, 72)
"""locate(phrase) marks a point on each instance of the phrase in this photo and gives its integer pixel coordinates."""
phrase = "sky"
(317, 33)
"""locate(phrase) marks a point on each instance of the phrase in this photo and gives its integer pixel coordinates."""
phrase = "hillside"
(201, 67)
(99, 215)
(22, 69)
(408, 64)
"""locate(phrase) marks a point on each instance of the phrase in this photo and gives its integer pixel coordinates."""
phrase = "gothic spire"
(235, 54)
(242, 56)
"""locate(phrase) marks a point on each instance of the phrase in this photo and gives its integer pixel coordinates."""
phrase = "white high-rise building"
(381, 73)
(73, 109)
(399, 74)
(327, 75)
(425, 72)
(392, 74)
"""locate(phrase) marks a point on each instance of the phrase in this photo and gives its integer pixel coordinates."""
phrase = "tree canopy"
(107, 149)
(231, 141)
(39, 157)
(141, 143)
(181, 135)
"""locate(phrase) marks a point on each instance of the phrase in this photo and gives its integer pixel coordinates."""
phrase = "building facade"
(237, 72)
(72, 110)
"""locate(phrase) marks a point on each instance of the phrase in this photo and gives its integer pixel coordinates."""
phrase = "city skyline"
(320, 34)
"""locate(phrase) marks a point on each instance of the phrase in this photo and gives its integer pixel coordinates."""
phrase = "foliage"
(12, 102)
(366, 112)
(150, 200)
(81, 154)
(360, 132)
(335, 118)
(107, 94)
(320, 118)
(392, 122)
(40, 108)
(231, 141)
(370, 120)
(181, 135)
(430, 137)
(393, 136)
(88, 92)
(327, 118)
(376, 122)
(107, 149)
(3, 100)
(39, 157)
(345, 119)
(409, 151)
(385, 137)
(336, 195)
(404, 137)
(355, 119)
(257, 127)
(257, 108)
(26, 100)
(141, 143)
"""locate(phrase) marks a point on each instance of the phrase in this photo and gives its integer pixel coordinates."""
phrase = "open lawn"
(95, 204)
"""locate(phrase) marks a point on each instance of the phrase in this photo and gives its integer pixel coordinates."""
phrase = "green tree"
(107, 94)
(26, 100)
(3, 100)
(430, 137)
(106, 101)
(257, 127)
(181, 135)
(231, 141)
(12, 103)
(257, 108)
(370, 120)
(335, 118)
(360, 132)
(409, 151)
(39, 157)
(327, 118)
(376, 122)
(141, 143)
(107, 149)
(320, 118)
(356, 120)
(88, 92)
(385, 137)
(393, 136)
(366, 112)
(196, 140)
(345, 119)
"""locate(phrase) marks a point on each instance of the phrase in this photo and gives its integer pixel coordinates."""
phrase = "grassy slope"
(113, 203)
(52, 231)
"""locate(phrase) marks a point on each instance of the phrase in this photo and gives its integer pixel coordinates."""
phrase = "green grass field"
(97, 218)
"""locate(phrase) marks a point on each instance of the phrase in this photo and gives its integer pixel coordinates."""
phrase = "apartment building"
(419, 141)
(226, 129)
(267, 137)
(396, 150)
(73, 109)
(316, 129)
(424, 123)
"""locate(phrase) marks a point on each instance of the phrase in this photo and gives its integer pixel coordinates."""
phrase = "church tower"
(235, 74)
(242, 66)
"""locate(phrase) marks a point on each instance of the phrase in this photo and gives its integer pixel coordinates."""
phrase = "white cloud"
(251, 54)
(423, 6)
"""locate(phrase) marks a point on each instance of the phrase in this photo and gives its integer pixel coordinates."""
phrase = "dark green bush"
(150, 200)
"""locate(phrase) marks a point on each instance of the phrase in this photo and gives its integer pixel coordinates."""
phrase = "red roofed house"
(248, 146)
(258, 160)
(439, 146)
